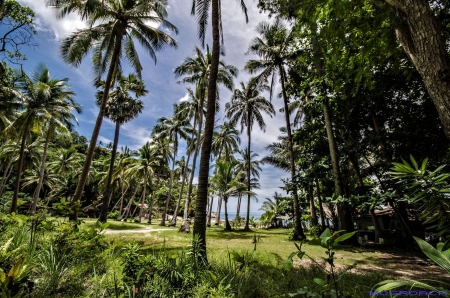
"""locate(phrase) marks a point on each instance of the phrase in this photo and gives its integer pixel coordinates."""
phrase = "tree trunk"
(247, 227)
(319, 198)
(173, 222)
(227, 223)
(185, 227)
(19, 174)
(8, 169)
(141, 210)
(420, 36)
(219, 206)
(298, 233)
(108, 192)
(41, 171)
(312, 207)
(169, 196)
(210, 211)
(238, 206)
(125, 216)
(90, 153)
(151, 201)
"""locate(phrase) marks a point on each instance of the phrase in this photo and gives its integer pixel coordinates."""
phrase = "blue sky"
(159, 78)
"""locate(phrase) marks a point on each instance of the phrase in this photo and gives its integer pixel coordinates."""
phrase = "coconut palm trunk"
(185, 227)
(238, 210)
(312, 206)
(247, 218)
(141, 210)
(219, 207)
(19, 173)
(169, 196)
(41, 171)
(210, 211)
(151, 201)
(8, 169)
(319, 198)
(227, 223)
(173, 222)
(108, 192)
(98, 123)
(298, 229)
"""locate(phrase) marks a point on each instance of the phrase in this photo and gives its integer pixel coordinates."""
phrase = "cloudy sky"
(159, 78)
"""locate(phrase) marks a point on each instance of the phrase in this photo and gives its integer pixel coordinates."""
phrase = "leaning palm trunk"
(151, 201)
(127, 213)
(19, 173)
(173, 222)
(169, 196)
(219, 207)
(319, 198)
(312, 206)
(298, 229)
(185, 227)
(108, 192)
(41, 172)
(98, 124)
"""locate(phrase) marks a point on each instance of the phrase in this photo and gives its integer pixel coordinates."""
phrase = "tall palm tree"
(121, 108)
(197, 70)
(225, 141)
(113, 25)
(246, 107)
(60, 117)
(173, 128)
(272, 207)
(274, 49)
(43, 100)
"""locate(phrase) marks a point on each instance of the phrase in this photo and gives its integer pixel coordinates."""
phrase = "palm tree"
(121, 108)
(60, 117)
(197, 70)
(141, 168)
(173, 128)
(113, 25)
(246, 107)
(272, 207)
(43, 100)
(274, 48)
(225, 141)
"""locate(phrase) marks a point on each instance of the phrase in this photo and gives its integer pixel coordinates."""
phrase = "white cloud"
(138, 135)
(46, 20)
(104, 140)
(184, 98)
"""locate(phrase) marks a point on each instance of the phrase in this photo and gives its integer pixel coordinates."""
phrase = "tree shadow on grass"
(234, 234)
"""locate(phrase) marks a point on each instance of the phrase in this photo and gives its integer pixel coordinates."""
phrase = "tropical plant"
(121, 108)
(274, 49)
(113, 25)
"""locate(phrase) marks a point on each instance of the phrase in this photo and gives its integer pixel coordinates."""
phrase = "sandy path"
(133, 231)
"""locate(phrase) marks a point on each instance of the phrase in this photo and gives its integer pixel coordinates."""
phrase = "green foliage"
(431, 190)
(330, 286)
(66, 208)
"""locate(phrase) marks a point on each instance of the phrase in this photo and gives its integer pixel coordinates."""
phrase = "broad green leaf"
(344, 237)
(423, 168)
(414, 163)
(326, 233)
(438, 257)
(320, 282)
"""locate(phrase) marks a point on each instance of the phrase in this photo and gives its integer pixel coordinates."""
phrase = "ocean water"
(232, 215)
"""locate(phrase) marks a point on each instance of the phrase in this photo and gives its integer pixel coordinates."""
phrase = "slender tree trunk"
(185, 227)
(127, 212)
(319, 198)
(312, 207)
(19, 173)
(238, 206)
(421, 38)
(219, 207)
(227, 223)
(247, 227)
(210, 211)
(173, 222)
(152, 200)
(298, 233)
(90, 153)
(141, 210)
(169, 196)
(381, 143)
(108, 192)
(41, 171)
(8, 169)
